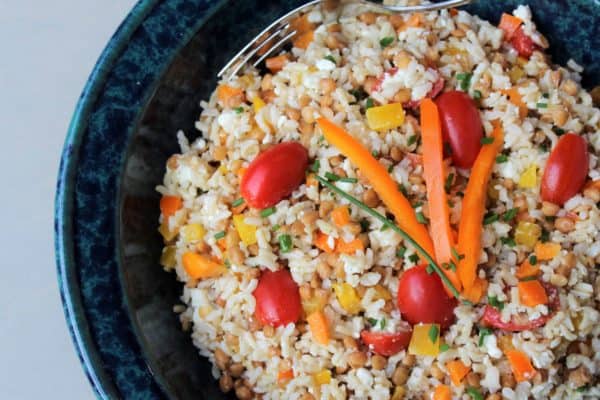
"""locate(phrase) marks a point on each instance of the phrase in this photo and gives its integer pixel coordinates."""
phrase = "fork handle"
(421, 7)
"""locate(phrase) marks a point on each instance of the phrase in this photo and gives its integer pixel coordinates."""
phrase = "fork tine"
(267, 31)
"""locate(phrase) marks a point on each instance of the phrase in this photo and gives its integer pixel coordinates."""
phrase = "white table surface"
(47, 50)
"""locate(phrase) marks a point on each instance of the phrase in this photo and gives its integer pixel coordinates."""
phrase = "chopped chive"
(558, 131)
(510, 214)
(384, 228)
(528, 278)
(348, 180)
(364, 225)
(487, 140)
(285, 243)
(421, 218)
(452, 266)
(429, 270)
(220, 235)
(417, 204)
(474, 393)
(448, 183)
(375, 154)
(490, 218)
(390, 168)
(444, 347)
(414, 258)
(494, 302)
(321, 139)
(370, 103)
(465, 80)
(332, 177)
(434, 331)
(276, 227)
(477, 95)
(238, 202)
(457, 255)
(238, 110)
(359, 94)
(510, 242)
(402, 189)
(315, 166)
(227, 263)
(542, 105)
(581, 389)
(483, 332)
(372, 321)
(330, 58)
(545, 236)
(400, 252)
(502, 158)
(396, 229)
(545, 95)
(532, 259)
(382, 323)
(386, 41)
(267, 212)
(412, 139)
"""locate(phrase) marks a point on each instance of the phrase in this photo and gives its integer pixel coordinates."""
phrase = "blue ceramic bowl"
(146, 85)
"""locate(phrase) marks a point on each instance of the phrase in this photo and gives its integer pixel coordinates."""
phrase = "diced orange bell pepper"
(319, 327)
(457, 371)
(349, 247)
(169, 205)
(322, 242)
(442, 392)
(532, 293)
(340, 216)
(526, 270)
(521, 366)
(546, 251)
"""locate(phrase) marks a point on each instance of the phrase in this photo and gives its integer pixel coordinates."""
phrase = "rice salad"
(294, 291)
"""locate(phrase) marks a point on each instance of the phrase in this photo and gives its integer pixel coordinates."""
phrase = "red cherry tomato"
(566, 169)
(274, 174)
(461, 126)
(277, 298)
(522, 43)
(423, 299)
(386, 344)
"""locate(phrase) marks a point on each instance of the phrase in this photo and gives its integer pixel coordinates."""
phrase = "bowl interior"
(151, 293)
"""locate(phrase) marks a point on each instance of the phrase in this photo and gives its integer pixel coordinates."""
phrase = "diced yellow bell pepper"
(528, 179)
(322, 377)
(246, 231)
(223, 169)
(258, 104)
(193, 233)
(527, 233)
(385, 117)
(167, 234)
(167, 258)
(421, 343)
(515, 74)
(381, 293)
(347, 297)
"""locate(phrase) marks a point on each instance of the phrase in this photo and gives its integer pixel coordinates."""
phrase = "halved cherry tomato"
(387, 344)
(277, 298)
(566, 169)
(523, 43)
(461, 126)
(274, 174)
(493, 318)
(423, 299)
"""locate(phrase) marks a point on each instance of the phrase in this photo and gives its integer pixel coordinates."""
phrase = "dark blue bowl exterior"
(145, 86)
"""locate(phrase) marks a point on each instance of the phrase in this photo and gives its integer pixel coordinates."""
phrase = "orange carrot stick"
(380, 180)
(476, 292)
(471, 221)
(509, 24)
(169, 205)
(433, 164)
(521, 366)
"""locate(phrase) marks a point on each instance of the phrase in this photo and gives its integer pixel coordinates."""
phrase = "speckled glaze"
(145, 86)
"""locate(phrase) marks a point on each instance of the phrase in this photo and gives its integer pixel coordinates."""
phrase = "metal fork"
(280, 32)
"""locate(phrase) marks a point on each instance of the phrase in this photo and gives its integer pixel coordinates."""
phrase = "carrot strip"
(471, 221)
(526, 270)
(476, 292)
(169, 205)
(340, 216)
(509, 24)
(319, 327)
(349, 247)
(200, 267)
(457, 371)
(433, 164)
(276, 64)
(442, 392)
(322, 242)
(380, 180)
(546, 251)
(521, 366)
(532, 293)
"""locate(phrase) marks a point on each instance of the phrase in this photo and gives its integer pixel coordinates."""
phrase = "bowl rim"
(73, 308)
